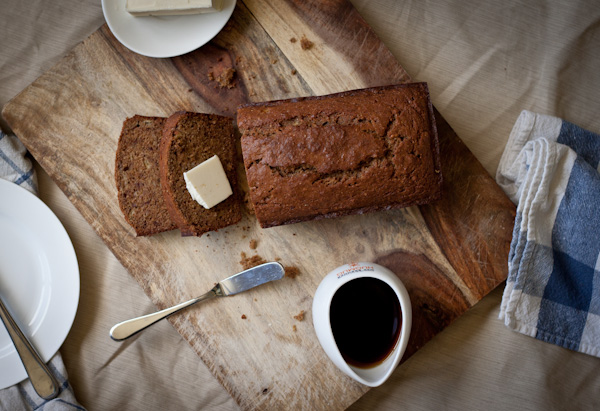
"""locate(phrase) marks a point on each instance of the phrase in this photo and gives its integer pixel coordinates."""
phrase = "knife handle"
(42, 379)
(128, 328)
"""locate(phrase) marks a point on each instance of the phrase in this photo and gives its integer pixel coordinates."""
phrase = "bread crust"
(168, 192)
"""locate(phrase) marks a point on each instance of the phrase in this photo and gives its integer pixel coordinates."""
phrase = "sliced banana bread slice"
(188, 140)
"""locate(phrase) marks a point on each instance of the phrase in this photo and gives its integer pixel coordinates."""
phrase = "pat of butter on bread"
(207, 183)
(172, 7)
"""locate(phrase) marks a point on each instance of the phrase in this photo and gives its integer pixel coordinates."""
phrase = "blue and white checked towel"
(14, 164)
(16, 167)
(550, 169)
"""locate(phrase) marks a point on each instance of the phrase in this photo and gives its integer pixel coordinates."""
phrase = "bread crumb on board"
(253, 244)
(294, 328)
(225, 79)
(248, 262)
(305, 43)
(291, 272)
(300, 316)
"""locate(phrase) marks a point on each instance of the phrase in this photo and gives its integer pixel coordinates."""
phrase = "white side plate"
(164, 36)
(39, 278)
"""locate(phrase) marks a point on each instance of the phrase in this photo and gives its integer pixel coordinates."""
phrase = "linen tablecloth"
(484, 61)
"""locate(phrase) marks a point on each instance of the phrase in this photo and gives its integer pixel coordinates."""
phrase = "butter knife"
(42, 379)
(235, 284)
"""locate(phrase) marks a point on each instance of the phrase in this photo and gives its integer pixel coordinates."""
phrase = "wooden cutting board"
(449, 254)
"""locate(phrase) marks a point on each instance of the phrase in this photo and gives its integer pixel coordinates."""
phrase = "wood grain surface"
(449, 254)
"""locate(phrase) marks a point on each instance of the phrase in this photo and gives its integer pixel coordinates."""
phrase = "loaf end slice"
(137, 176)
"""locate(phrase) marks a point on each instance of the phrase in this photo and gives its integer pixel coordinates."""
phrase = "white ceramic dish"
(331, 283)
(164, 36)
(39, 277)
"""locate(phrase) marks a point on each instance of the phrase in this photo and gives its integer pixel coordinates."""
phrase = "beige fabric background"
(484, 61)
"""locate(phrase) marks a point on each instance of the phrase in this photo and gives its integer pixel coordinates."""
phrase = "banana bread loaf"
(345, 153)
(188, 140)
(137, 176)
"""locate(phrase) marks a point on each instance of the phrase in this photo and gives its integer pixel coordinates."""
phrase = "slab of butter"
(172, 7)
(207, 183)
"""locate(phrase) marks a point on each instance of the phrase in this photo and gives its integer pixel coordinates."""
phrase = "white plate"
(39, 277)
(164, 36)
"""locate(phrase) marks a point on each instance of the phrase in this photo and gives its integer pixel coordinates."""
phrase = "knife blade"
(235, 284)
(251, 278)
